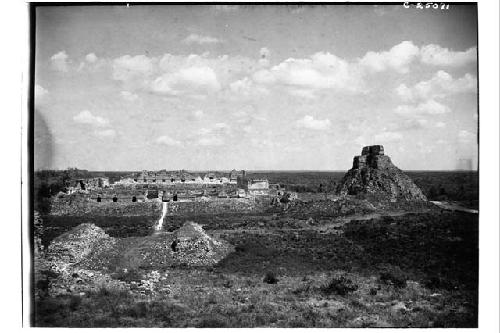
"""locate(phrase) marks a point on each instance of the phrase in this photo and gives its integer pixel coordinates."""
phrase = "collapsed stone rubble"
(71, 247)
(78, 261)
(193, 247)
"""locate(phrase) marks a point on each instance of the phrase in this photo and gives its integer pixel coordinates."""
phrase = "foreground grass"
(413, 271)
(201, 298)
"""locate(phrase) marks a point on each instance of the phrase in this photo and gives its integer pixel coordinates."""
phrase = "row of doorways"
(134, 199)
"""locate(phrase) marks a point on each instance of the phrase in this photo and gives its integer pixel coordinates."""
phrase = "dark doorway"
(134, 199)
(115, 199)
(174, 246)
(98, 199)
(175, 197)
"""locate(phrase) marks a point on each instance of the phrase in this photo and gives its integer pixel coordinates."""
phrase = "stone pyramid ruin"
(373, 173)
(193, 247)
(76, 244)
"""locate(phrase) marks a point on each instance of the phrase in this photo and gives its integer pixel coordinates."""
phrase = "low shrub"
(50, 274)
(240, 248)
(439, 282)
(302, 289)
(339, 286)
(270, 278)
(211, 299)
(212, 323)
(127, 275)
(42, 285)
(228, 284)
(74, 302)
(138, 310)
(393, 275)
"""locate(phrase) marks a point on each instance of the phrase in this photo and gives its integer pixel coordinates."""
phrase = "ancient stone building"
(181, 177)
(258, 187)
(168, 186)
(89, 184)
(373, 173)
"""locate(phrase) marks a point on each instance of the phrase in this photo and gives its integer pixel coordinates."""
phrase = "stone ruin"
(193, 247)
(373, 173)
(73, 246)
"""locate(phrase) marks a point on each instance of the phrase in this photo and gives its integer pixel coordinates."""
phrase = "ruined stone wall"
(174, 187)
(218, 206)
(79, 205)
(84, 206)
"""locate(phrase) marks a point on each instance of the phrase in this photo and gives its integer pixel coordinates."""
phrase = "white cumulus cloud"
(168, 141)
(200, 39)
(91, 57)
(40, 91)
(59, 61)
(397, 58)
(441, 85)
(190, 80)
(247, 87)
(315, 124)
(86, 117)
(320, 71)
(436, 55)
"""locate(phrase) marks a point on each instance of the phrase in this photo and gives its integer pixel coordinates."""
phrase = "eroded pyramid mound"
(193, 247)
(373, 173)
(74, 245)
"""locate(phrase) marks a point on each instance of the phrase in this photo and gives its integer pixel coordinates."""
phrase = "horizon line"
(256, 170)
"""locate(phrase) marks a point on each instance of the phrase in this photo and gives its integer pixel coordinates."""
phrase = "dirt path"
(159, 225)
(454, 207)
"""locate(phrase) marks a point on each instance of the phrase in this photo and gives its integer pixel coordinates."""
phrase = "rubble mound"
(193, 247)
(76, 244)
(373, 173)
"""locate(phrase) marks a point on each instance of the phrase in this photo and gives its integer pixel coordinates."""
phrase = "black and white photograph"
(244, 165)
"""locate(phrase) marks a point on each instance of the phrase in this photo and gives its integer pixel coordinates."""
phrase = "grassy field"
(415, 270)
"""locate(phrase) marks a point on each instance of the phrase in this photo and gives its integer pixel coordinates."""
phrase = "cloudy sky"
(262, 87)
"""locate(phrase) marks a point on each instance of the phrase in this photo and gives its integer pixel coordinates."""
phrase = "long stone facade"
(172, 186)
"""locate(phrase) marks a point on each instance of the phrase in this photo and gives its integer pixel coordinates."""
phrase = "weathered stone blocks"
(193, 247)
(373, 150)
(373, 173)
(72, 246)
